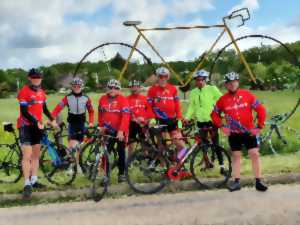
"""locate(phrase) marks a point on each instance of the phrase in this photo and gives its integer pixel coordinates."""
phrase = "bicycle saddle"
(131, 23)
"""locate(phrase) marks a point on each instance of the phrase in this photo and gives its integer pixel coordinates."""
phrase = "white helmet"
(113, 83)
(162, 71)
(201, 73)
(77, 81)
(231, 76)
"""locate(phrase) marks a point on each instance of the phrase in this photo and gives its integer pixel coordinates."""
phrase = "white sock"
(27, 182)
(33, 179)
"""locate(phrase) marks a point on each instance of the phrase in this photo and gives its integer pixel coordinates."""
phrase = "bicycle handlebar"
(238, 14)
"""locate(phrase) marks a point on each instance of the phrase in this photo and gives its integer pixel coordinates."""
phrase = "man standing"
(78, 103)
(237, 107)
(139, 112)
(32, 101)
(166, 109)
(113, 119)
(201, 103)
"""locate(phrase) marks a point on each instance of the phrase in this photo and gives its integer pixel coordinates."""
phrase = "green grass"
(272, 164)
(275, 102)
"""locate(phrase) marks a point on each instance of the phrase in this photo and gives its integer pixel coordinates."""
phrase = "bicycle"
(10, 158)
(283, 135)
(57, 164)
(154, 166)
(98, 166)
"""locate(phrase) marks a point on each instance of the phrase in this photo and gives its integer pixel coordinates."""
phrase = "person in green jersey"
(201, 103)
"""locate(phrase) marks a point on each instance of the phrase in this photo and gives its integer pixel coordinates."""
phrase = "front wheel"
(146, 171)
(211, 166)
(10, 164)
(100, 174)
(63, 173)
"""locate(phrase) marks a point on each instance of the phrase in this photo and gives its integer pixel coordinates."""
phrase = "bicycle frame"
(224, 27)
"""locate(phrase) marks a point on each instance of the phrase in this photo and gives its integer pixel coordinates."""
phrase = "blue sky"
(35, 33)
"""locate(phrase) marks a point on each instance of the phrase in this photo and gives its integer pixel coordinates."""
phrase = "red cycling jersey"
(113, 113)
(35, 101)
(238, 111)
(138, 106)
(165, 102)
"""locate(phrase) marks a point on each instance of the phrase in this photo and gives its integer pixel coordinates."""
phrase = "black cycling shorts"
(172, 124)
(238, 141)
(134, 130)
(76, 131)
(30, 135)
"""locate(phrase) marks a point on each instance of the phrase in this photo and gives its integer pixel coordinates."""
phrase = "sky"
(41, 32)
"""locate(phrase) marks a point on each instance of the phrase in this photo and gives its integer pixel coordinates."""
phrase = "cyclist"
(139, 111)
(78, 103)
(32, 100)
(201, 103)
(237, 106)
(113, 119)
(166, 109)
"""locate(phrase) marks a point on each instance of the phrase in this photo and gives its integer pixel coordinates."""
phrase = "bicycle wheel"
(10, 164)
(286, 140)
(100, 174)
(62, 174)
(109, 59)
(87, 159)
(206, 169)
(263, 54)
(146, 171)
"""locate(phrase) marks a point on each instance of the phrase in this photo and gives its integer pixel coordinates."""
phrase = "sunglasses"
(76, 86)
(111, 88)
(162, 77)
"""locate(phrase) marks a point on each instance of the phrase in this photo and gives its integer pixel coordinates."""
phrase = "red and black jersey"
(238, 111)
(138, 106)
(113, 113)
(34, 101)
(165, 102)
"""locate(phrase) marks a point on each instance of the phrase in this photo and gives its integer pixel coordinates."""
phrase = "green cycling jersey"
(201, 103)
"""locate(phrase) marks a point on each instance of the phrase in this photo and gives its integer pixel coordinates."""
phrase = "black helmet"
(34, 73)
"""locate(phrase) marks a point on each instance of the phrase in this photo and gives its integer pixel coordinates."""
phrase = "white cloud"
(37, 33)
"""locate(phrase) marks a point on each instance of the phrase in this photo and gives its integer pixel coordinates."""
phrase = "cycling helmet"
(134, 83)
(77, 81)
(201, 73)
(162, 71)
(113, 83)
(34, 73)
(231, 76)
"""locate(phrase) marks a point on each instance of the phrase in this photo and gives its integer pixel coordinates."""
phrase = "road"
(279, 206)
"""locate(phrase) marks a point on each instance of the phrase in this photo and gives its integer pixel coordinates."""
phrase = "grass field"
(275, 102)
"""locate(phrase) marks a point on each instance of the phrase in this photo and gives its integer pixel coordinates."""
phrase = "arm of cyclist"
(124, 125)
(177, 105)
(191, 108)
(91, 112)
(49, 115)
(216, 117)
(261, 115)
(59, 107)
